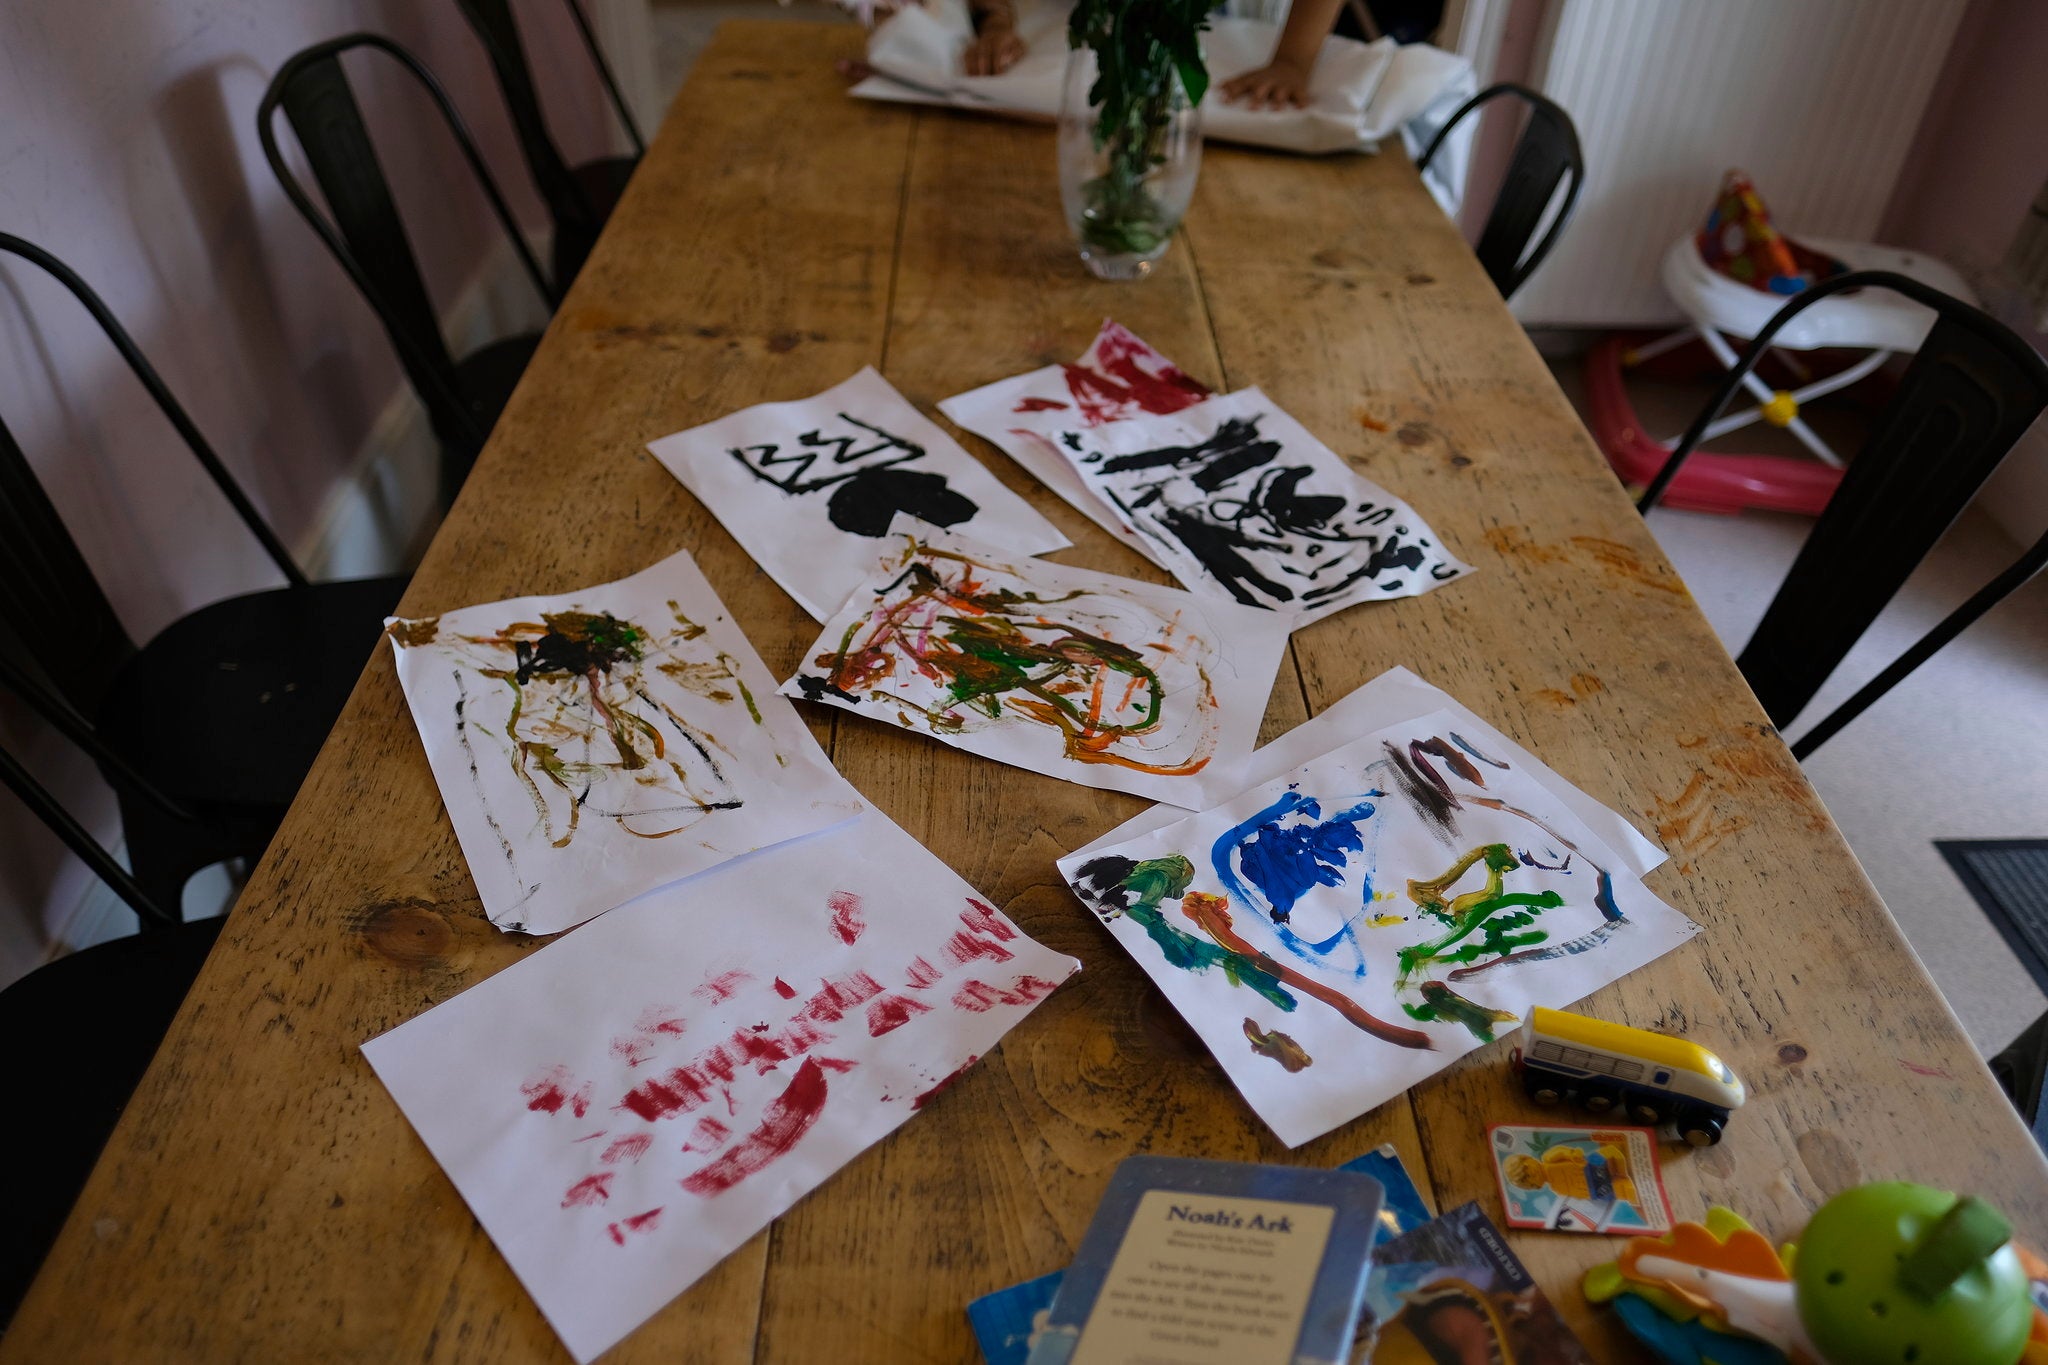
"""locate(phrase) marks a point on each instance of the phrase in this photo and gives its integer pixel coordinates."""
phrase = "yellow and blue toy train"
(1655, 1079)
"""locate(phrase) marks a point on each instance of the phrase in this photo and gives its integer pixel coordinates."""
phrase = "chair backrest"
(366, 234)
(499, 31)
(1546, 153)
(50, 603)
(1970, 392)
(23, 784)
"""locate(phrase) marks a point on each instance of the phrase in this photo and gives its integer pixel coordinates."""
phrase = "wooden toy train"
(1656, 1080)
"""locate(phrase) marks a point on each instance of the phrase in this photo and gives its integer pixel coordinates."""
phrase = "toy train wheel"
(1598, 1100)
(1700, 1130)
(1649, 1115)
(1546, 1095)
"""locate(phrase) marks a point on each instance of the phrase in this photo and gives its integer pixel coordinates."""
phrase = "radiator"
(1817, 99)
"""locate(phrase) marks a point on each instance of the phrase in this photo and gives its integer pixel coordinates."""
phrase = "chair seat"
(488, 375)
(1877, 320)
(228, 706)
(83, 1028)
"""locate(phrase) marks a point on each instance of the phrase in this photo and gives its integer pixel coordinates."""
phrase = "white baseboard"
(376, 519)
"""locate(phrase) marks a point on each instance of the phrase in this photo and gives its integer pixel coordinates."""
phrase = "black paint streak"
(866, 504)
(817, 689)
(1230, 450)
(1433, 803)
(867, 498)
(1217, 546)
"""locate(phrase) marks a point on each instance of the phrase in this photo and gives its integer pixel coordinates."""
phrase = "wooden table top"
(264, 1199)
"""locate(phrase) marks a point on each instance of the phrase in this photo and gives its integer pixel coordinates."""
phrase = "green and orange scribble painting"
(950, 648)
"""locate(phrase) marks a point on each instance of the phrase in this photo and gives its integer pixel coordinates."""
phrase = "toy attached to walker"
(1729, 279)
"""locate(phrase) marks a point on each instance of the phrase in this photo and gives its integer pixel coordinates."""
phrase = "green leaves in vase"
(1141, 48)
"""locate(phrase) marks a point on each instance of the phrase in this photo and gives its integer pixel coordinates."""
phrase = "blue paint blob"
(1288, 849)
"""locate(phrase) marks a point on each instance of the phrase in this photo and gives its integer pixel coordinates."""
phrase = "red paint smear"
(1039, 405)
(676, 1093)
(592, 1137)
(847, 922)
(1919, 1070)
(787, 1118)
(639, 1222)
(655, 1023)
(628, 1148)
(549, 1092)
(921, 973)
(784, 989)
(981, 918)
(591, 1189)
(919, 1100)
(1120, 384)
(722, 987)
(978, 997)
(835, 998)
(964, 948)
(708, 1133)
(893, 1012)
(835, 1063)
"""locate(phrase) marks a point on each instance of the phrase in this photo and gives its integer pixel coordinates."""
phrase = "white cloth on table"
(1360, 93)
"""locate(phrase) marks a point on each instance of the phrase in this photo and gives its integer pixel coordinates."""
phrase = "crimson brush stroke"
(788, 1117)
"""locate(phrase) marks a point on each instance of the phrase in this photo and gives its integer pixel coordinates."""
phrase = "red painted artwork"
(787, 1118)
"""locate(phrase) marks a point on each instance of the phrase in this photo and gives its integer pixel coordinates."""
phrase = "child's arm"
(996, 47)
(1283, 82)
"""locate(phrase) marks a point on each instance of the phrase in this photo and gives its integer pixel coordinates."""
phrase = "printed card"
(1581, 1179)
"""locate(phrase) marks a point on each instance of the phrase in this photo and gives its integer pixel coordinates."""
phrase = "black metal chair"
(206, 732)
(96, 1018)
(463, 398)
(1546, 153)
(579, 198)
(1969, 393)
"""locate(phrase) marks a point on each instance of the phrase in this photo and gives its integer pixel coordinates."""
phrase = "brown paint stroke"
(1213, 915)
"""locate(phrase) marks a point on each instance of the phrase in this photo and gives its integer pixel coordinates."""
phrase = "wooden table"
(264, 1200)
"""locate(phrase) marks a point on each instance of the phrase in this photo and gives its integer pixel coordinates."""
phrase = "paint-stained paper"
(1236, 498)
(1118, 377)
(809, 487)
(1350, 927)
(628, 1106)
(594, 745)
(1083, 676)
(1394, 698)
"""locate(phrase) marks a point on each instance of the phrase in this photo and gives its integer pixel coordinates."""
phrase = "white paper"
(1277, 923)
(1119, 376)
(809, 487)
(633, 739)
(1083, 676)
(628, 1106)
(1393, 698)
(1239, 500)
(1358, 92)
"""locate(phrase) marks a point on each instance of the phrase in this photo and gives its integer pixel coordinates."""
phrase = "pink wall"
(128, 147)
(1980, 158)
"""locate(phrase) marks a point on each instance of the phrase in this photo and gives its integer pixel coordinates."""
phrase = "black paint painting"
(865, 469)
(1261, 509)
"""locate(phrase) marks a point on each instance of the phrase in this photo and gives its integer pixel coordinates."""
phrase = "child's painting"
(626, 1107)
(1119, 377)
(594, 745)
(1238, 499)
(1352, 926)
(1098, 680)
(808, 487)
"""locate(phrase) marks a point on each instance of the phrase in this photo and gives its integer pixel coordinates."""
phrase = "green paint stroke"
(1145, 884)
(1440, 1002)
(1493, 913)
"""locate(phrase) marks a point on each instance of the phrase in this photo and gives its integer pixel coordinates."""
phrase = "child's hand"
(995, 49)
(1281, 84)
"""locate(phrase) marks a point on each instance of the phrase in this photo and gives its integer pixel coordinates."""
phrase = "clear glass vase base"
(1124, 265)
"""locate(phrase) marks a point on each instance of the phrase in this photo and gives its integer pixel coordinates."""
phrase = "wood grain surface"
(264, 1200)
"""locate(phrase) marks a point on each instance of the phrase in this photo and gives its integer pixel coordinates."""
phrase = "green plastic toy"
(1902, 1272)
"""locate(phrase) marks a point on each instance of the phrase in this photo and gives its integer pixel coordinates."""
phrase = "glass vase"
(1126, 193)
